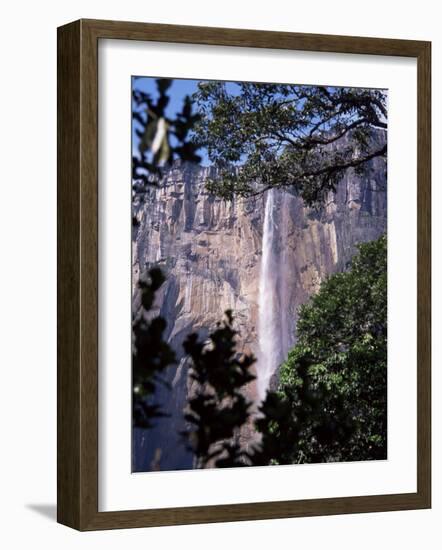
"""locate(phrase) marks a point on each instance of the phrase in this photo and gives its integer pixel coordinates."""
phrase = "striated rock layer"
(210, 251)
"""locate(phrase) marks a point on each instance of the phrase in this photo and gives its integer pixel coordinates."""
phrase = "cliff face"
(211, 251)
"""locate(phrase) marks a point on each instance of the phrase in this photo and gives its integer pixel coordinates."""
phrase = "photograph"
(223, 243)
(259, 274)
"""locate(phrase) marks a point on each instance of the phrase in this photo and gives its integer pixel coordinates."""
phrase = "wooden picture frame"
(78, 274)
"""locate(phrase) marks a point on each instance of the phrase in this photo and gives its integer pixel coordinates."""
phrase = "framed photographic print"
(243, 275)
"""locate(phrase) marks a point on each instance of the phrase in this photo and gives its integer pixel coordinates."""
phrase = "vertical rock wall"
(210, 251)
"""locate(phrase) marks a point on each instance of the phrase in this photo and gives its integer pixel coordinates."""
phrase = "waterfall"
(271, 320)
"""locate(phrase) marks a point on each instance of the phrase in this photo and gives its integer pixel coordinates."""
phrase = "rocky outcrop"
(210, 251)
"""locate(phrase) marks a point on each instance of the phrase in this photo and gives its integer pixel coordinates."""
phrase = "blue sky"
(179, 89)
(177, 92)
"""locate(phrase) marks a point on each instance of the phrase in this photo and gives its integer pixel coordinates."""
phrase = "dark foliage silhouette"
(218, 408)
(151, 354)
(161, 139)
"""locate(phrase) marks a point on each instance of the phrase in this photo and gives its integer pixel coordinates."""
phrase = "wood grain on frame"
(77, 224)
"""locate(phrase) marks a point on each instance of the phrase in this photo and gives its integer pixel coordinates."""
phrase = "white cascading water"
(269, 320)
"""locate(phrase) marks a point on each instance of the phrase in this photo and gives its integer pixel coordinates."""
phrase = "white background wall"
(28, 276)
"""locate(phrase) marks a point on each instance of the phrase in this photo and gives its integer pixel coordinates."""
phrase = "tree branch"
(331, 169)
(350, 164)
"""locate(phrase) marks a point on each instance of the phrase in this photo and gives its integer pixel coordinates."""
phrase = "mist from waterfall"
(274, 335)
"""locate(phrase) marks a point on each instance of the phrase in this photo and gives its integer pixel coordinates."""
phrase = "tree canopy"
(301, 138)
(335, 378)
